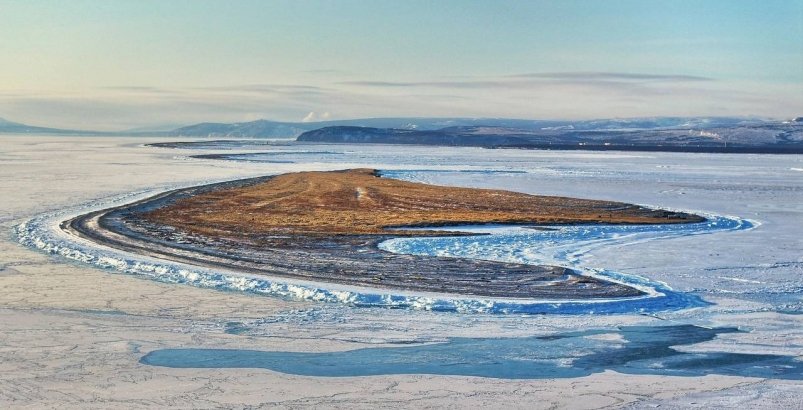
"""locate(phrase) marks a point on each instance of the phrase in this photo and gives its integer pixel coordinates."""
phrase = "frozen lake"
(739, 192)
(750, 279)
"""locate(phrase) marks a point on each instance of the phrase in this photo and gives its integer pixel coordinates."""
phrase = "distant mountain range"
(695, 134)
(276, 129)
(8, 127)
(702, 136)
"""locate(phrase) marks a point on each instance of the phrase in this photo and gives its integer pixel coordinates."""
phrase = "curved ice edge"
(44, 233)
(661, 293)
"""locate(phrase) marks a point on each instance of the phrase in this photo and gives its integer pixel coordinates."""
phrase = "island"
(325, 227)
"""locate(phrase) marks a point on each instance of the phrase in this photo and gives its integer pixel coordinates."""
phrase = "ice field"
(72, 327)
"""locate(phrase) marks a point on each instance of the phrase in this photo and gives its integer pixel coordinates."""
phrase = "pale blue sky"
(119, 64)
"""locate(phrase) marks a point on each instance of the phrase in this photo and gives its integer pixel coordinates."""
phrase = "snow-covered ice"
(74, 334)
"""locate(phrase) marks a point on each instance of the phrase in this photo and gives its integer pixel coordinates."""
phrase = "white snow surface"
(73, 333)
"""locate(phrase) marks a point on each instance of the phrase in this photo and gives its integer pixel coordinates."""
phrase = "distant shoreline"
(230, 144)
(663, 148)
(754, 139)
(597, 148)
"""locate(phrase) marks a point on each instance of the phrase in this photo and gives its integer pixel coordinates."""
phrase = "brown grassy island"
(359, 201)
(325, 227)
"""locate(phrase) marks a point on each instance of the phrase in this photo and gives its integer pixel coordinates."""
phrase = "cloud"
(612, 76)
(438, 84)
(327, 71)
(538, 79)
(313, 116)
(538, 95)
(385, 83)
(265, 88)
(138, 89)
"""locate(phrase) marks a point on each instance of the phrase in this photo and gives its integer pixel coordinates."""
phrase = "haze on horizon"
(124, 64)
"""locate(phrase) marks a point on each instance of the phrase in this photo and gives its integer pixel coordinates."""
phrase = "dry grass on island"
(360, 202)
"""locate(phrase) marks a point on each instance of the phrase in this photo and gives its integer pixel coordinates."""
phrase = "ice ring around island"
(324, 228)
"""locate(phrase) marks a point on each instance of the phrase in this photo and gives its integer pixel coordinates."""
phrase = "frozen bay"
(752, 277)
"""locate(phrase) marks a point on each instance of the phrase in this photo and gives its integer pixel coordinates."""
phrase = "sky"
(116, 65)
